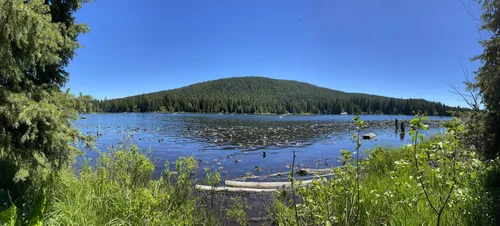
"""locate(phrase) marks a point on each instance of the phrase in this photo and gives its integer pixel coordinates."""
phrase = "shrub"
(433, 181)
(119, 190)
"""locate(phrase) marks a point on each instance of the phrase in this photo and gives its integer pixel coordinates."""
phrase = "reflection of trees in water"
(253, 134)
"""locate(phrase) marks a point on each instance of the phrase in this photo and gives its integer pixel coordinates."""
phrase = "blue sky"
(386, 47)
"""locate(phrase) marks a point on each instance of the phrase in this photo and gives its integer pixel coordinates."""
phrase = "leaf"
(38, 209)
(8, 217)
(421, 137)
(21, 175)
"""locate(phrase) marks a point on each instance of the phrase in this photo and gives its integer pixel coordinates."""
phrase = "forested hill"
(265, 95)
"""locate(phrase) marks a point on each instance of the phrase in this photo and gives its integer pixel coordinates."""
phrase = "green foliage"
(213, 178)
(488, 74)
(475, 133)
(263, 95)
(488, 79)
(237, 211)
(212, 203)
(8, 217)
(491, 193)
(442, 168)
(37, 41)
(404, 186)
(119, 190)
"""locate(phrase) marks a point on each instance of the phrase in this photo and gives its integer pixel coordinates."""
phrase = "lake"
(240, 144)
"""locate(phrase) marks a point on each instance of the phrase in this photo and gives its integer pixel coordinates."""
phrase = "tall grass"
(119, 190)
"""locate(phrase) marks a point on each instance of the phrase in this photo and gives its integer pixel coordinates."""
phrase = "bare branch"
(470, 86)
(468, 11)
(458, 92)
(472, 95)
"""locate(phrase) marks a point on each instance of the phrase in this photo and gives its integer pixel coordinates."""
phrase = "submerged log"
(264, 185)
(233, 189)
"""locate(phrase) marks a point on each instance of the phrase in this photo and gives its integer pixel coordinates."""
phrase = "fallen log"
(319, 171)
(263, 185)
(233, 189)
(302, 171)
(259, 219)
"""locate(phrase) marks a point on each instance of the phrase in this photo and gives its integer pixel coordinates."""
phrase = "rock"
(302, 172)
(368, 136)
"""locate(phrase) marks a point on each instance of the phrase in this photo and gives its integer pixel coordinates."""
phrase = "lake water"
(235, 144)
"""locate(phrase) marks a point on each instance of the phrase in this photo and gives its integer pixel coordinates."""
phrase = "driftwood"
(319, 171)
(233, 189)
(303, 172)
(263, 185)
(259, 219)
(236, 186)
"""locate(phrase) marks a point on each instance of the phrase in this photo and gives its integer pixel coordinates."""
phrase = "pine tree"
(37, 41)
(488, 75)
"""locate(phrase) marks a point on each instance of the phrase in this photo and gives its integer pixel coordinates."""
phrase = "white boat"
(343, 113)
(83, 117)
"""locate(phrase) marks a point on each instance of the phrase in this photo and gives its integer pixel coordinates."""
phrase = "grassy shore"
(423, 183)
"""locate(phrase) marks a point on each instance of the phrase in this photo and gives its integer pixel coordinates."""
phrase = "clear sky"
(397, 48)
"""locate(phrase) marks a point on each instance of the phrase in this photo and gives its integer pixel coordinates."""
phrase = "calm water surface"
(235, 144)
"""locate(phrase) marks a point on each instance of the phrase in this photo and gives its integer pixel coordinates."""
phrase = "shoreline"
(244, 114)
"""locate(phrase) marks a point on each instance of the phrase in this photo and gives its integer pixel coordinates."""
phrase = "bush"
(119, 190)
(434, 181)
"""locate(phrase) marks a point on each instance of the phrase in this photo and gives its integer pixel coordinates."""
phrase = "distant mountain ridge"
(265, 95)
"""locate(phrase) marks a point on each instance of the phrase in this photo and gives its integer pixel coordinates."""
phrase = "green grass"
(119, 191)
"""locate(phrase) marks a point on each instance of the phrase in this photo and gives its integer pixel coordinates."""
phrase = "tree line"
(259, 95)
